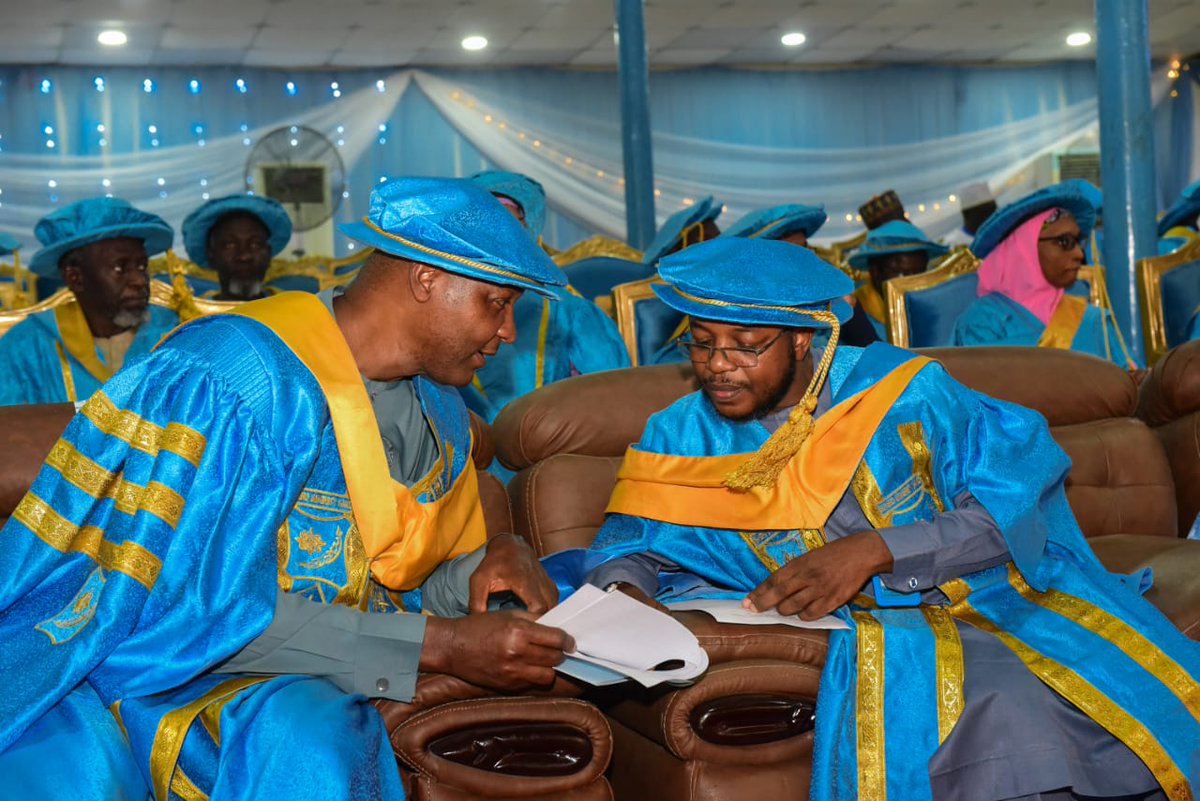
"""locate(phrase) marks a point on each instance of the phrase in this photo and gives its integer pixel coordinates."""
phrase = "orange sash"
(872, 302)
(77, 339)
(1064, 323)
(404, 538)
(689, 490)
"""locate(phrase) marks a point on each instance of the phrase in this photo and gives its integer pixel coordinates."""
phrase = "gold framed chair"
(18, 286)
(945, 292)
(161, 294)
(597, 246)
(1169, 292)
(837, 253)
(645, 322)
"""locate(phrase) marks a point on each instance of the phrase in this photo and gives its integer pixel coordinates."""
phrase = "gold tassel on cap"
(183, 302)
(764, 467)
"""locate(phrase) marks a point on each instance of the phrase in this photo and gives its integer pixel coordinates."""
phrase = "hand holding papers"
(625, 638)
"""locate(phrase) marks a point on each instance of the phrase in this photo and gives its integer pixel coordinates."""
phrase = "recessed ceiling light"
(113, 38)
(474, 43)
(1079, 39)
(793, 39)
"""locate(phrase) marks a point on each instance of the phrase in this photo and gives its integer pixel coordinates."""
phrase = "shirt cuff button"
(382, 685)
(912, 583)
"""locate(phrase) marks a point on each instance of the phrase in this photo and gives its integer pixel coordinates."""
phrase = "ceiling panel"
(297, 33)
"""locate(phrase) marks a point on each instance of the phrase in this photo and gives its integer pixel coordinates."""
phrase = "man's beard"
(774, 393)
(126, 319)
(245, 288)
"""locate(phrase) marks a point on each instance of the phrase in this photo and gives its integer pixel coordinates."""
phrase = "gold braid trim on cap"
(463, 260)
(763, 468)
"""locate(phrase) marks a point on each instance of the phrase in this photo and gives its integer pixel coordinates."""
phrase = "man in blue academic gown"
(893, 249)
(236, 237)
(555, 338)
(989, 655)
(100, 247)
(231, 546)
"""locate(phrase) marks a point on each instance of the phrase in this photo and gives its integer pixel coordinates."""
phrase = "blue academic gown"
(890, 694)
(555, 340)
(149, 549)
(995, 319)
(33, 369)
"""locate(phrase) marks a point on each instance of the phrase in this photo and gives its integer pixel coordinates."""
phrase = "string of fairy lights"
(153, 137)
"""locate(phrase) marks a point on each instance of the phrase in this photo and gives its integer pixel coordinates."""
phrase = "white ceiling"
(377, 33)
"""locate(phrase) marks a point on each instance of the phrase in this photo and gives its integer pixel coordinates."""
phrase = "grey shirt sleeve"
(952, 544)
(639, 569)
(373, 653)
(447, 591)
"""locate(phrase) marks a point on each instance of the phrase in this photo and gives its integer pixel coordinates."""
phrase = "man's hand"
(636, 594)
(509, 565)
(498, 650)
(818, 582)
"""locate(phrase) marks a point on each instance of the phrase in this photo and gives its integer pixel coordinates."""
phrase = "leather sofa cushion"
(1181, 442)
(1120, 481)
(493, 497)
(483, 444)
(603, 413)
(1176, 566)
(27, 433)
(1064, 386)
(1172, 389)
(599, 414)
(559, 502)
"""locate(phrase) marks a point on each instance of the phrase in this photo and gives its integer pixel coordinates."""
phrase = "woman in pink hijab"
(1032, 252)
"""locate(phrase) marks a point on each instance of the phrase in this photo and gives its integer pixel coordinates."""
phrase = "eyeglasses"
(700, 353)
(1065, 241)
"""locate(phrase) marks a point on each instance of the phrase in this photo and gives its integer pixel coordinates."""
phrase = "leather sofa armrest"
(1181, 441)
(729, 642)
(505, 747)
(748, 712)
(483, 443)
(1176, 566)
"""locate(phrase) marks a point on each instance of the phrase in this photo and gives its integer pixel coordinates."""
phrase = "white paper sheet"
(730, 610)
(614, 631)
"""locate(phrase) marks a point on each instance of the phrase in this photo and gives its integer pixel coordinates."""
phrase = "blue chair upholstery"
(922, 308)
(645, 322)
(595, 277)
(932, 311)
(1180, 297)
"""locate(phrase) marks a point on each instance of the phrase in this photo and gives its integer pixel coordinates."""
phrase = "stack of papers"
(617, 637)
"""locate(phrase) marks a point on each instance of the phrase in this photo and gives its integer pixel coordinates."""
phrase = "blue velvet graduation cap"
(754, 282)
(895, 236)
(269, 212)
(521, 188)
(94, 220)
(1067, 196)
(761, 282)
(8, 244)
(1183, 211)
(779, 221)
(456, 225)
(674, 227)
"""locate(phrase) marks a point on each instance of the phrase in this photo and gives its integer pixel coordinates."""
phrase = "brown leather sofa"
(455, 741)
(744, 729)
